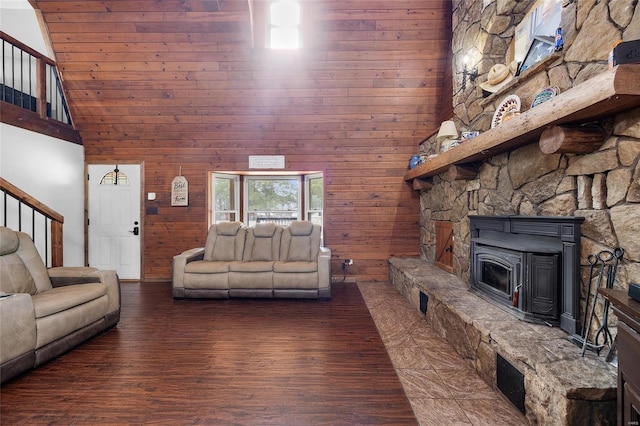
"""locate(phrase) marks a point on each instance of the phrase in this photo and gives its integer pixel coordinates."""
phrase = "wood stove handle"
(516, 293)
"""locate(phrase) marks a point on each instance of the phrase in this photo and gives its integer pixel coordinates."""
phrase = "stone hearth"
(561, 387)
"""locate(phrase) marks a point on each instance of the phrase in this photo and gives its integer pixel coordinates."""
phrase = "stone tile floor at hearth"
(440, 386)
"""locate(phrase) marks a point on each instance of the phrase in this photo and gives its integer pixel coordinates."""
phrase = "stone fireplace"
(528, 266)
(602, 186)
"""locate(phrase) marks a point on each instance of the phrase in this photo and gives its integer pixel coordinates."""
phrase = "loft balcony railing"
(22, 212)
(30, 81)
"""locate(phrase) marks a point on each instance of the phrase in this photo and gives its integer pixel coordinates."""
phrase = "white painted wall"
(18, 19)
(52, 171)
(49, 169)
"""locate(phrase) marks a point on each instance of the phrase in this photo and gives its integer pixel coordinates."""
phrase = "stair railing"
(45, 227)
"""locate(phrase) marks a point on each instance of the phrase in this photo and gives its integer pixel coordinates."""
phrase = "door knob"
(136, 229)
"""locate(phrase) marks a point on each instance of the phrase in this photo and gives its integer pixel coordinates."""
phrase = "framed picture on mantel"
(540, 48)
(542, 19)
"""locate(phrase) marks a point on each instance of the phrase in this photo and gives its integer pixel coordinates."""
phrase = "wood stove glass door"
(497, 276)
(497, 273)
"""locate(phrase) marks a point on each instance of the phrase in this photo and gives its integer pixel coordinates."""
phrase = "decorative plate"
(510, 104)
(545, 95)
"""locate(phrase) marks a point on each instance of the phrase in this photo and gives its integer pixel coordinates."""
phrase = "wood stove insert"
(529, 266)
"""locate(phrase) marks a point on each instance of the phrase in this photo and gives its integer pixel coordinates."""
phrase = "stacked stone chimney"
(603, 186)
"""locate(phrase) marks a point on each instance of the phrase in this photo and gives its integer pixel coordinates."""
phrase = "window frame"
(269, 25)
(245, 186)
(307, 197)
(241, 193)
(212, 196)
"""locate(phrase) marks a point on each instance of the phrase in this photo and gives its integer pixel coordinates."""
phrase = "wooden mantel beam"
(603, 95)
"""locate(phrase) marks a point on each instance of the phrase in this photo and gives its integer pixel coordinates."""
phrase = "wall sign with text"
(179, 191)
(266, 161)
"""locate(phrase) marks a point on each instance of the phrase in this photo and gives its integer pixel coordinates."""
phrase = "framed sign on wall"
(179, 191)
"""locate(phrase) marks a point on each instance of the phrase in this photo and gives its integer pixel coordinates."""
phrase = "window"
(284, 24)
(226, 197)
(115, 177)
(272, 198)
(313, 198)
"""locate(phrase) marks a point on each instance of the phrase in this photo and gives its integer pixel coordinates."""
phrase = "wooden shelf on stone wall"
(608, 93)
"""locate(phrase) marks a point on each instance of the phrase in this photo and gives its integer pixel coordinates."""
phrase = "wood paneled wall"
(177, 83)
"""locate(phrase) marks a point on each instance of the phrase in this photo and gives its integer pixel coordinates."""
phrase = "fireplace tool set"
(602, 268)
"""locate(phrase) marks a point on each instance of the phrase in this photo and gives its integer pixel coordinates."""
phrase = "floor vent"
(424, 299)
(510, 382)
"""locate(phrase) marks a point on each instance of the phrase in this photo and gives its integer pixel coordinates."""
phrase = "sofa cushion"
(224, 248)
(264, 230)
(211, 281)
(62, 298)
(8, 241)
(300, 249)
(225, 241)
(228, 228)
(295, 267)
(14, 276)
(32, 260)
(207, 267)
(300, 242)
(21, 268)
(59, 325)
(253, 266)
(301, 228)
(263, 242)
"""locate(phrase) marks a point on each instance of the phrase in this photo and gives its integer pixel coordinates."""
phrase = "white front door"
(114, 218)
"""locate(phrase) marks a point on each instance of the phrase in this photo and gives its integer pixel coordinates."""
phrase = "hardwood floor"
(244, 362)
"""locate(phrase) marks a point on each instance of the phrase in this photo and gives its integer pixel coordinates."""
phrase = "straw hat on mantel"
(499, 75)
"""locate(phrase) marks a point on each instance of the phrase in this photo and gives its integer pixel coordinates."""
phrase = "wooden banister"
(56, 218)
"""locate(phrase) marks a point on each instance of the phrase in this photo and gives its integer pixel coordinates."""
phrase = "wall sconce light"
(473, 74)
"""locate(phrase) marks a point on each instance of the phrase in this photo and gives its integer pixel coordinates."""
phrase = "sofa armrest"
(324, 272)
(180, 262)
(68, 275)
(17, 326)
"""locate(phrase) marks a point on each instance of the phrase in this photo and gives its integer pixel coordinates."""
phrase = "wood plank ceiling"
(177, 83)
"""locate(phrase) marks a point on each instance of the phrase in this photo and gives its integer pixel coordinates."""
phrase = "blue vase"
(414, 161)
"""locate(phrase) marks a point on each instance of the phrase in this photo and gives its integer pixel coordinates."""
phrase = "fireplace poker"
(616, 254)
(602, 259)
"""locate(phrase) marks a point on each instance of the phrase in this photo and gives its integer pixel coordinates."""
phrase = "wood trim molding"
(29, 120)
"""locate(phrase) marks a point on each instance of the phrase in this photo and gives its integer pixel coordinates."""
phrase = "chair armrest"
(69, 275)
(181, 260)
